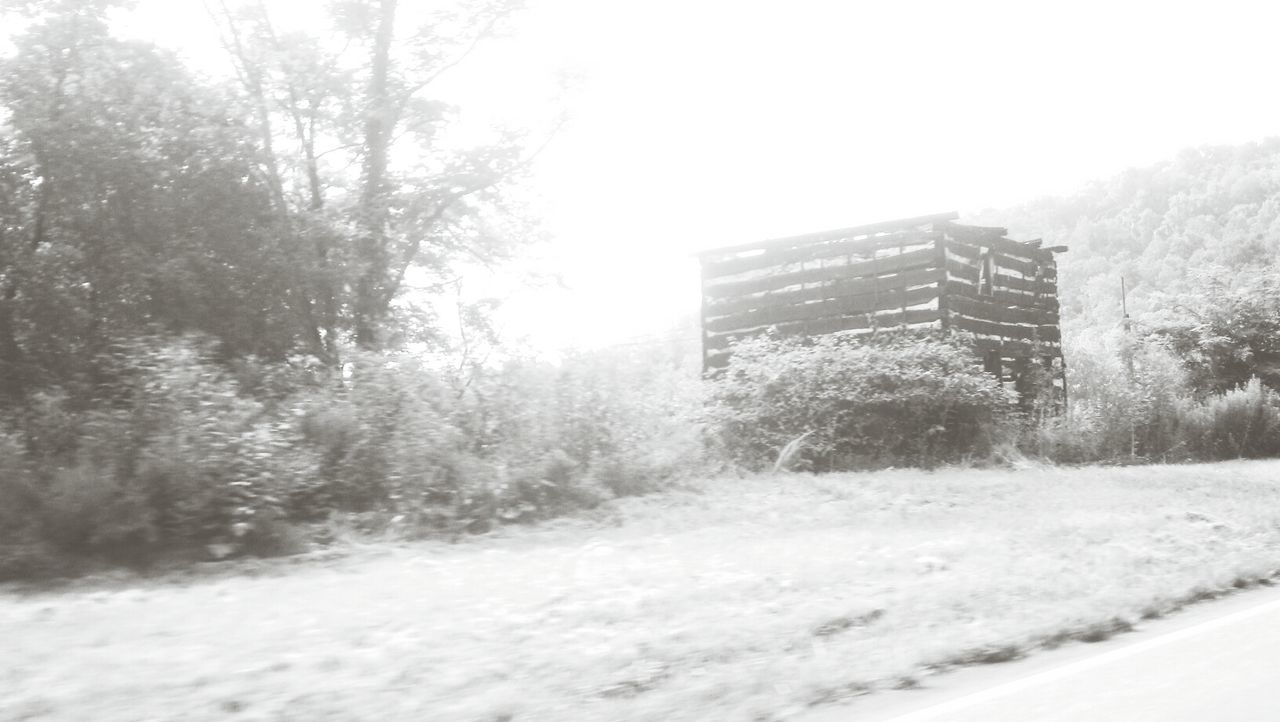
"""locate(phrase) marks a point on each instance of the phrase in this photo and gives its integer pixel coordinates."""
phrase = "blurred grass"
(733, 599)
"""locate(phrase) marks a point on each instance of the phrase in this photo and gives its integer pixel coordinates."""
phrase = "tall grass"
(1132, 401)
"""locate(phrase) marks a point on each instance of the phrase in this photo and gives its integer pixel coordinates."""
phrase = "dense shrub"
(180, 451)
(169, 455)
(464, 448)
(1124, 397)
(19, 495)
(383, 435)
(856, 402)
(1241, 423)
(1133, 400)
(1225, 329)
(622, 421)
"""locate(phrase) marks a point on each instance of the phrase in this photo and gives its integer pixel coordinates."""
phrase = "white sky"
(707, 122)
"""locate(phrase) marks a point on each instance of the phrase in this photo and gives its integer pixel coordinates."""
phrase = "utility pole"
(1124, 305)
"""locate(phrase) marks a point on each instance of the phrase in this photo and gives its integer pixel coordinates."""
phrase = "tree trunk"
(370, 303)
(13, 371)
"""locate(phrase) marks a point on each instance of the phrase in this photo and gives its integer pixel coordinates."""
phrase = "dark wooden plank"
(1002, 297)
(720, 341)
(832, 325)
(965, 270)
(717, 359)
(968, 275)
(715, 344)
(881, 266)
(768, 259)
(1005, 330)
(1014, 349)
(832, 289)
(978, 236)
(705, 351)
(839, 233)
(990, 310)
(1048, 333)
(863, 303)
(973, 254)
(940, 252)
(1025, 286)
(854, 323)
(998, 231)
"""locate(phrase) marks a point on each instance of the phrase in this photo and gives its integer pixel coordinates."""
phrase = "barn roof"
(837, 234)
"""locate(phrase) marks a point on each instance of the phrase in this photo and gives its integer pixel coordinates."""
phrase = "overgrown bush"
(177, 450)
(19, 494)
(169, 455)
(1133, 400)
(468, 447)
(622, 421)
(892, 399)
(1241, 423)
(1124, 397)
(383, 433)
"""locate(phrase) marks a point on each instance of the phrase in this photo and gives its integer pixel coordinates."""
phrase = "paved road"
(1219, 662)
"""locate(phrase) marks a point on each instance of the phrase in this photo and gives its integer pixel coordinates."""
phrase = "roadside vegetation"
(185, 457)
(189, 458)
(741, 598)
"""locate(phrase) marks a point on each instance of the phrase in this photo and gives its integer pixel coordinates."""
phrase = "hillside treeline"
(1171, 230)
(1196, 240)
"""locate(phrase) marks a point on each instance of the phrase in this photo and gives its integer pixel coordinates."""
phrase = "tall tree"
(131, 205)
(1226, 329)
(419, 201)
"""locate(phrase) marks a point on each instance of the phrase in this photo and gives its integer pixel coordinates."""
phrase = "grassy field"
(737, 599)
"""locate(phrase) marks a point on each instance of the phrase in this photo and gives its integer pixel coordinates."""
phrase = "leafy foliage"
(176, 455)
(1195, 239)
(283, 216)
(1124, 396)
(131, 206)
(472, 447)
(1135, 400)
(359, 158)
(1241, 423)
(1226, 328)
(1159, 227)
(894, 400)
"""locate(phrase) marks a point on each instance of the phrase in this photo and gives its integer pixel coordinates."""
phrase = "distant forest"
(1209, 216)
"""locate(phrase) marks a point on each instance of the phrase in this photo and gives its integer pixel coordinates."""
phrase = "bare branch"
(415, 244)
(251, 78)
(485, 33)
(335, 149)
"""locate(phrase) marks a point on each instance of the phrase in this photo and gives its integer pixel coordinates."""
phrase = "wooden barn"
(920, 273)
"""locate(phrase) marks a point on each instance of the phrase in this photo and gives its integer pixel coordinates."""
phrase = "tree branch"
(415, 244)
(484, 33)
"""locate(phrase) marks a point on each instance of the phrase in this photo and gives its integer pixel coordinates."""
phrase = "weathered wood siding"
(926, 272)
(855, 279)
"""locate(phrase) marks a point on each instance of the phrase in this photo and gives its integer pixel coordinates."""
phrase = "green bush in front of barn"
(843, 403)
